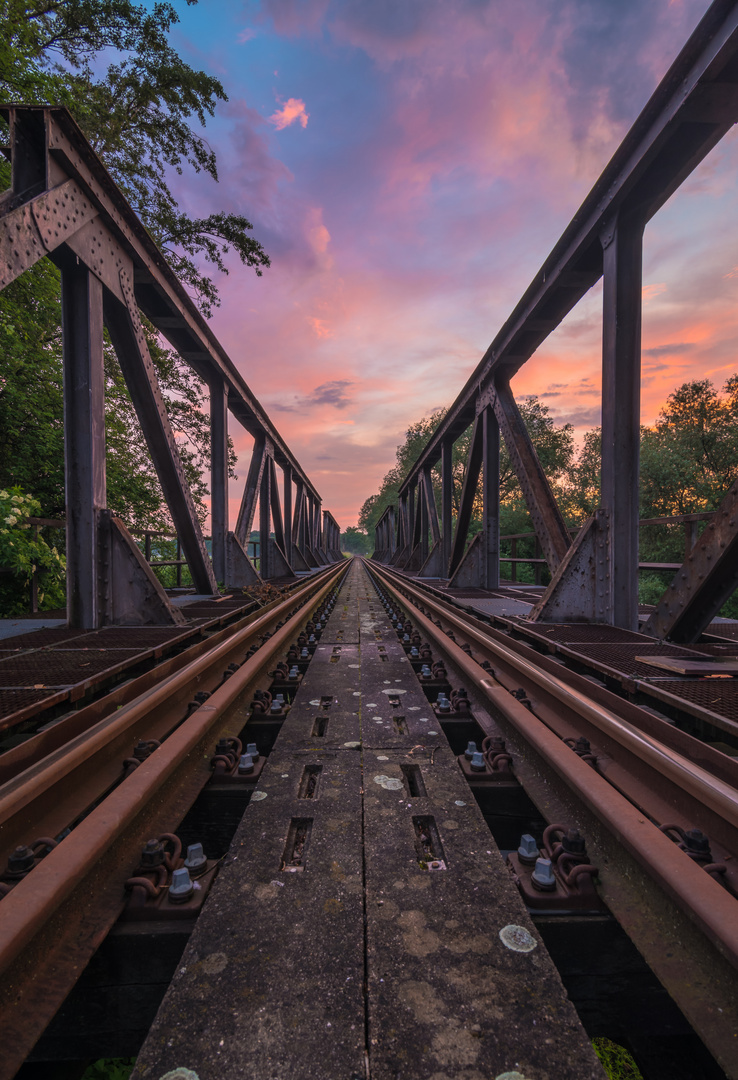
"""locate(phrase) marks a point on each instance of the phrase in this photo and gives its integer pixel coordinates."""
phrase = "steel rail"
(52, 736)
(702, 898)
(62, 787)
(701, 784)
(33, 900)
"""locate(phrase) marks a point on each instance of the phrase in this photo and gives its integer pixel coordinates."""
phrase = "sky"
(408, 165)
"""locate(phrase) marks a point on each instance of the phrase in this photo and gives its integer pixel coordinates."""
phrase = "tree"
(356, 542)
(689, 458)
(554, 445)
(136, 113)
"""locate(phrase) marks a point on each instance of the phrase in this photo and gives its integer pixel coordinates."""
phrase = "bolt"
(543, 876)
(304, 654)
(414, 653)
(245, 765)
(196, 860)
(528, 851)
(152, 854)
(181, 888)
(471, 750)
(573, 843)
(477, 762)
(293, 672)
(251, 749)
(425, 672)
(697, 845)
(21, 860)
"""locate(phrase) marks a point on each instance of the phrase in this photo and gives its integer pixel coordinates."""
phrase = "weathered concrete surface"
(365, 964)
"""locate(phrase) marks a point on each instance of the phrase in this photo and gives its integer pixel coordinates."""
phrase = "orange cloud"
(292, 110)
(320, 327)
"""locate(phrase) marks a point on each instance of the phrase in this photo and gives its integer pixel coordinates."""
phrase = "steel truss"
(63, 204)
(595, 576)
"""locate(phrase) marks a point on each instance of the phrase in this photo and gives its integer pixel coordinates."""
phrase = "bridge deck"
(329, 946)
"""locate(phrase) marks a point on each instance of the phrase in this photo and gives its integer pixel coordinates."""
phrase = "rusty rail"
(54, 919)
(710, 904)
(681, 919)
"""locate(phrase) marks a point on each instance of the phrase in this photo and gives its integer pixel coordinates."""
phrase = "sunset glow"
(408, 167)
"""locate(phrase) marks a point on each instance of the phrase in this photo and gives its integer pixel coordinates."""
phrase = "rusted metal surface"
(54, 919)
(704, 582)
(706, 790)
(71, 663)
(111, 271)
(698, 970)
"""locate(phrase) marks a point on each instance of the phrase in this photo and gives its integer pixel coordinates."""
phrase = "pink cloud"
(292, 111)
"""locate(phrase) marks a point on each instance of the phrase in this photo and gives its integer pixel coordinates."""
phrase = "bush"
(22, 552)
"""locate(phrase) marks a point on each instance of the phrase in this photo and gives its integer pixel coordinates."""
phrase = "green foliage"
(136, 112)
(356, 542)
(689, 459)
(31, 411)
(554, 445)
(109, 1069)
(111, 63)
(22, 552)
(617, 1062)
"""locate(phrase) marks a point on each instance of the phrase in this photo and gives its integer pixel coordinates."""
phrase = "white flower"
(11, 520)
(16, 499)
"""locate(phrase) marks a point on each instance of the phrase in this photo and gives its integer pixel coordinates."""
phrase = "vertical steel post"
(447, 497)
(424, 521)
(621, 386)
(84, 445)
(265, 502)
(411, 519)
(219, 476)
(287, 489)
(491, 497)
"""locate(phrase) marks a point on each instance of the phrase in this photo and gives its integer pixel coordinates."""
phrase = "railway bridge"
(400, 817)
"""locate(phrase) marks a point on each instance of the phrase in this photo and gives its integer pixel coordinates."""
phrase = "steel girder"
(62, 203)
(691, 110)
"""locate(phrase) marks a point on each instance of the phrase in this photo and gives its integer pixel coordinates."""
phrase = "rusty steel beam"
(129, 341)
(707, 578)
(219, 477)
(62, 154)
(468, 491)
(622, 242)
(548, 523)
(490, 498)
(84, 443)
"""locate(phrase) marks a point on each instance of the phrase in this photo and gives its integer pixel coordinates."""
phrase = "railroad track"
(640, 785)
(72, 782)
